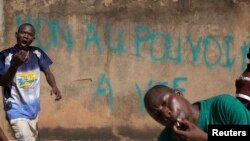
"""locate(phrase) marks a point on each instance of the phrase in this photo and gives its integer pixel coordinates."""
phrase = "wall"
(108, 53)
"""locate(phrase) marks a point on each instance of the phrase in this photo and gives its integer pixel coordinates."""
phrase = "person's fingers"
(184, 123)
(57, 94)
(182, 126)
(22, 54)
(178, 131)
(25, 55)
(58, 97)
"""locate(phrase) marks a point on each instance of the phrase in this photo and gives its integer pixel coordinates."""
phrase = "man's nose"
(167, 112)
(26, 35)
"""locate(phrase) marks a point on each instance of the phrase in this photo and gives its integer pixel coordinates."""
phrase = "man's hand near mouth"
(19, 58)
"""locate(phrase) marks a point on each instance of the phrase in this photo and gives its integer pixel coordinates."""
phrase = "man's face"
(166, 107)
(25, 36)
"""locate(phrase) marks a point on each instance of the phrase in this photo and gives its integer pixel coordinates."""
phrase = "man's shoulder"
(6, 51)
(220, 100)
(222, 97)
(36, 50)
(226, 101)
(33, 48)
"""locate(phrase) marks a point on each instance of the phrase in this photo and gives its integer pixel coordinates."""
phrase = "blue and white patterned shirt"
(22, 95)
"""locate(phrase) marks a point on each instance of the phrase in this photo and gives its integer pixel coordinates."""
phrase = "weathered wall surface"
(107, 53)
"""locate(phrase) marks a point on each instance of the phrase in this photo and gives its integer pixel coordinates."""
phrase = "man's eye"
(164, 103)
(157, 114)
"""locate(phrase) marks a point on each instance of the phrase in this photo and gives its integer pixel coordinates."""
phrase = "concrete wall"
(107, 53)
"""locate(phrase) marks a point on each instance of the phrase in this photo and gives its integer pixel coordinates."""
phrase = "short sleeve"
(44, 60)
(233, 111)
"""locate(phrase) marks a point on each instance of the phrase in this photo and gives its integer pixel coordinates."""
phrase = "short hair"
(25, 24)
(158, 87)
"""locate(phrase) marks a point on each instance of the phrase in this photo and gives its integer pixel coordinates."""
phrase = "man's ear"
(178, 92)
(33, 38)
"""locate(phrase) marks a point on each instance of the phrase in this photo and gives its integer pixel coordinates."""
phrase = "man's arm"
(18, 59)
(8, 76)
(2, 136)
(51, 81)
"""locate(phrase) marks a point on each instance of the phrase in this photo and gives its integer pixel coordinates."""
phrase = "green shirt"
(217, 110)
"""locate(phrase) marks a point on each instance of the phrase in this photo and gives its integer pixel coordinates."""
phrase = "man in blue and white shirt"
(20, 68)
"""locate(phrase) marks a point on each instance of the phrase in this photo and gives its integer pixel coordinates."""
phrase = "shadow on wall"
(99, 134)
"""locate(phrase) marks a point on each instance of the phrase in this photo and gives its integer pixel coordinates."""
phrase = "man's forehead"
(25, 26)
(166, 96)
(157, 97)
(156, 100)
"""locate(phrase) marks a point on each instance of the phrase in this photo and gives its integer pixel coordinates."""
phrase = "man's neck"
(195, 112)
(22, 48)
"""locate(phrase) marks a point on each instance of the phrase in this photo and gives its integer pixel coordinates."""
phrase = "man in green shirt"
(186, 121)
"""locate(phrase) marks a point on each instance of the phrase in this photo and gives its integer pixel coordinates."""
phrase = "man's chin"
(23, 47)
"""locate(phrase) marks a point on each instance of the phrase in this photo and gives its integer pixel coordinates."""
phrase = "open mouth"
(24, 42)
